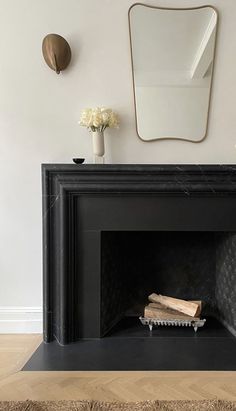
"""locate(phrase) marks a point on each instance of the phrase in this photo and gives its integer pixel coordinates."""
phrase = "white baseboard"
(21, 320)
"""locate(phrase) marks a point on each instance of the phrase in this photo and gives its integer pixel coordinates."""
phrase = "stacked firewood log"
(162, 307)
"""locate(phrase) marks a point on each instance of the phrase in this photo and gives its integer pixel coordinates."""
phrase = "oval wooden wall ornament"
(56, 52)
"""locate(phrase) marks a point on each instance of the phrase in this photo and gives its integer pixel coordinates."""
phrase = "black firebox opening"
(187, 265)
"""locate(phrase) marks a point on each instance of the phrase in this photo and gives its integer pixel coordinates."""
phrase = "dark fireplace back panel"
(135, 264)
(226, 279)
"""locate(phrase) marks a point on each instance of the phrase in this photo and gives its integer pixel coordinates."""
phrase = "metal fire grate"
(176, 323)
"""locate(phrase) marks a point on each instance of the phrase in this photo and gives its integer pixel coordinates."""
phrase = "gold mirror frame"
(132, 66)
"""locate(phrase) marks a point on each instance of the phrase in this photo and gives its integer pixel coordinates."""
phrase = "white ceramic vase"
(98, 143)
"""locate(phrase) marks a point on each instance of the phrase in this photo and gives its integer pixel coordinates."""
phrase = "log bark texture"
(159, 312)
(186, 307)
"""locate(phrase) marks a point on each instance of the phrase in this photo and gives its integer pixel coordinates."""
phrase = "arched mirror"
(172, 54)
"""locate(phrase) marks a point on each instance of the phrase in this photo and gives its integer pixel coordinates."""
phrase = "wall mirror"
(172, 54)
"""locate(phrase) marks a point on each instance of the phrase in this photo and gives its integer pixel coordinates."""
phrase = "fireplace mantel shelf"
(81, 201)
(175, 179)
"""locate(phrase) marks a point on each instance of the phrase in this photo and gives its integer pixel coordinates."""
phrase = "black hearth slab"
(137, 354)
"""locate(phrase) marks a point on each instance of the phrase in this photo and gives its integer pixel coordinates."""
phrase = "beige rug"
(208, 405)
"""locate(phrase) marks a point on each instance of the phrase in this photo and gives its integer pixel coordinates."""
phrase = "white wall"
(39, 112)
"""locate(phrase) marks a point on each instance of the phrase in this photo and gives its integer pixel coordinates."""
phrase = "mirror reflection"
(172, 59)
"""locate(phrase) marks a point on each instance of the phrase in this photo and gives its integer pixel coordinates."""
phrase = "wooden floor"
(104, 386)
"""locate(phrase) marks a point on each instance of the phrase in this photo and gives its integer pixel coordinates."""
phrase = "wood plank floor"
(104, 386)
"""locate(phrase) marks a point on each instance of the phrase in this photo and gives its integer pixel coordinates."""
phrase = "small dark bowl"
(78, 160)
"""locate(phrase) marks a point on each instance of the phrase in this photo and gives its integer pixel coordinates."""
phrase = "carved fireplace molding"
(81, 201)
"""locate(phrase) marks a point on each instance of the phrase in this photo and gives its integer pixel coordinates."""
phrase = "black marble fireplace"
(114, 233)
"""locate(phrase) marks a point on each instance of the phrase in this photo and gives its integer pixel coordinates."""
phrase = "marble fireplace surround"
(82, 201)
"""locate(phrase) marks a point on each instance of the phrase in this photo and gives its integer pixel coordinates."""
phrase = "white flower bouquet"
(98, 119)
